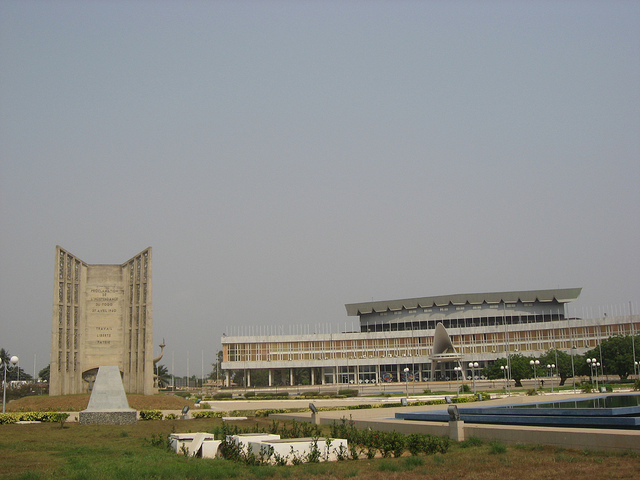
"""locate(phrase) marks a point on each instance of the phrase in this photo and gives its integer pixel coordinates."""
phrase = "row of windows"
(449, 323)
(487, 343)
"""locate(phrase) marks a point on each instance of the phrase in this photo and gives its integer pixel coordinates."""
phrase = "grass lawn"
(77, 403)
(47, 451)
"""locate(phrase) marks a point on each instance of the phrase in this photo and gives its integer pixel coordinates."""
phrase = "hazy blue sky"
(285, 158)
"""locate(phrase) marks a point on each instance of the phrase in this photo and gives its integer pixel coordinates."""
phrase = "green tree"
(562, 361)
(216, 372)
(519, 369)
(164, 377)
(44, 373)
(617, 355)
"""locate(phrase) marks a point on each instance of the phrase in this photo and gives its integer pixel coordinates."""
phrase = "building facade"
(399, 334)
(102, 316)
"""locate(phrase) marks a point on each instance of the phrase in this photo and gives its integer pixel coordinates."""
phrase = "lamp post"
(458, 370)
(406, 381)
(13, 361)
(505, 369)
(593, 366)
(550, 370)
(635, 367)
(534, 364)
(473, 366)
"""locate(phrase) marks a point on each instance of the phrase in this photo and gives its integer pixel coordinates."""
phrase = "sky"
(285, 158)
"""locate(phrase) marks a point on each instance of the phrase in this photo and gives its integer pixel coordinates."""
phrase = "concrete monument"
(102, 315)
(108, 404)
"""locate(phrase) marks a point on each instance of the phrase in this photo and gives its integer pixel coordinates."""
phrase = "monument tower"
(102, 316)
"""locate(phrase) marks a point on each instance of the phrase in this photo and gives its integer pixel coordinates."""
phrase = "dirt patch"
(77, 403)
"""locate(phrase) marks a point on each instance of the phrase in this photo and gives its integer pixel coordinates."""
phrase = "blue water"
(608, 411)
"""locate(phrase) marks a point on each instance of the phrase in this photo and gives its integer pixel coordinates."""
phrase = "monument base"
(125, 417)
(108, 404)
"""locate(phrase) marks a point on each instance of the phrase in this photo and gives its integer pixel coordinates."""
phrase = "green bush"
(586, 388)
(636, 385)
(150, 415)
(6, 418)
(49, 417)
(268, 411)
(348, 392)
(266, 395)
(170, 416)
(222, 396)
(208, 414)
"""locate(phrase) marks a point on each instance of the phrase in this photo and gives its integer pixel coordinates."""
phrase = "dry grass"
(77, 403)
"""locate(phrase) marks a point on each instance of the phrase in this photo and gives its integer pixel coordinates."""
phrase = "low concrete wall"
(593, 439)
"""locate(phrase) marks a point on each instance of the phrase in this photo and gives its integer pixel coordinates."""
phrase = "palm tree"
(164, 377)
(16, 372)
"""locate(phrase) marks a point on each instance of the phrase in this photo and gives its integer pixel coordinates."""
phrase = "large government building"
(102, 316)
(429, 336)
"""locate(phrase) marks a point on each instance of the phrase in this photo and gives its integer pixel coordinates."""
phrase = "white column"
(270, 377)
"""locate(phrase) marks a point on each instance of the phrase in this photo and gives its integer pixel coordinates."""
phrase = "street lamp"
(635, 367)
(406, 380)
(473, 366)
(534, 364)
(550, 369)
(13, 361)
(458, 370)
(593, 365)
(505, 369)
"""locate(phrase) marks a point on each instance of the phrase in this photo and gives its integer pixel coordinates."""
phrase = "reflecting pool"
(602, 411)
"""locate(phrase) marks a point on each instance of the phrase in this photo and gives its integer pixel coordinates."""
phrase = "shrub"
(53, 417)
(271, 395)
(6, 418)
(532, 391)
(395, 442)
(586, 388)
(636, 385)
(268, 411)
(414, 443)
(170, 416)
(150, 415)
(435, 444)
(222, 396)
(348, 392)
(208, 414)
